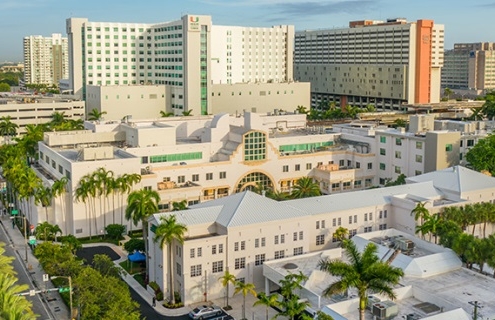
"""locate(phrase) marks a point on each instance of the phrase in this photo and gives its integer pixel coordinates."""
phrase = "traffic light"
(64, 289)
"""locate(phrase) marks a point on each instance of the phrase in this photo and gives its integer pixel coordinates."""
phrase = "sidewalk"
(52, 300)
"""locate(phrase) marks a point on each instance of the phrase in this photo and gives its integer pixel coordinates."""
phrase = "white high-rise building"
(187, 55)
(45, 59)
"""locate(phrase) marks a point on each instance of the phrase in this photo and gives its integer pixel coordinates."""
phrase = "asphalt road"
(38, 305)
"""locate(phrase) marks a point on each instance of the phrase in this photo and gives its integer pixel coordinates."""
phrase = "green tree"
(480, 157)
(244, 288)
(115, 231)
(364, 272)
(13, 306)
(47, 231)
(341, 234)
(6, 262)
(266, 300)
(104, 265)
(72, 243)
(178, 206)
(59, 190)
(447, 92)
(8, 128)
(305, 188)
(420, 212)
(134, 245)
(96, 115)
(141, 205)
(293, 307)
(226, 280)
(430, 226)
(488, 108)
(301, 110)
(4, 87)
(168, 232)
(44, 197)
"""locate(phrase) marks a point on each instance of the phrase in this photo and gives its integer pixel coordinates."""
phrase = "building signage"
(193, 23)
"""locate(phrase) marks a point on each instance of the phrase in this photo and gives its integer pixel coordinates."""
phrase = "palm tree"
(267, 300)
(82, 194)
(305, 188)
(178, 206)
(165, 114)
(59, 190)
(290, 283)
(301, 110)
(48, 231)
(167, 232)
(103, 179)
(12, 305)
(58, 118)
(365, 272)
(140, 205)
(293, 307)
(125, 185)
(5, 262)
(245, 288)
(420, 212)
(341, 234)
(44, 197)
(95, 115)
(430, 226)
(227, 279)
(7, 128)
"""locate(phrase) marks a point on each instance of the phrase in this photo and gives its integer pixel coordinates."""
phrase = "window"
(370, 165)
(382, 166)
(419, 145)
(223, 175)
(200, 252)
(236, 246)
(382, 151)
(419, 158)
(339, 221)
(448, 147)
(417, 172)
(285, 168)
(398, 155)
(352, 233)
(358, 165)
(317, 224)
(282, 238)
(217, 266)
(181, 179)
(370, 215)
(240, 263)
(350, 219)
(470, 143)
(368, 229)
(382, 226)
(279, 254)
(191, 254)
(195, 177)
(294, 238)
(209, 176)
(320, 239)
(365, 217)
(301, 235)
(297, 167)
(243, 245)
(178, 269)
(397, 170)
(254, 146)
(334, 222)
(259, 259)
(298, 251)
(385, 213)
(214, 249)
(308, 166)
(383, 139)
(220, 248)
(398, 141)
(256, 243)
(276, 239)
(196, 270)
(263, 241)
(355, 218)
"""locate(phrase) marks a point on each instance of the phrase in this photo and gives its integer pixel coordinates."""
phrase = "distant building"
(188, 55)
(468, 68)
(46, 59)
(384, 64)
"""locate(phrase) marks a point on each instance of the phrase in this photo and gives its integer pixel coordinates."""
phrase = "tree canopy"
(480, 157)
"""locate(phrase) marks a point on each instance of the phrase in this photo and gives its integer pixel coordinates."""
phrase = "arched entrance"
(253, 181)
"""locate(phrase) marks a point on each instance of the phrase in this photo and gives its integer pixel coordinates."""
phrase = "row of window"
(54, 165)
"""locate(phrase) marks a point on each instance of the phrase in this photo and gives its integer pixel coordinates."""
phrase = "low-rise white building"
(241, 232)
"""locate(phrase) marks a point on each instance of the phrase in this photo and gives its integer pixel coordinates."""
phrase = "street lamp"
(70, 291)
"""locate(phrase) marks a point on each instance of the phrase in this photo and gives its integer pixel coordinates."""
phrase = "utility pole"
(476, 306)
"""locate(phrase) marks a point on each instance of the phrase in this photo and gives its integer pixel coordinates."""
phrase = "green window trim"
(176, 157)
(305, 146)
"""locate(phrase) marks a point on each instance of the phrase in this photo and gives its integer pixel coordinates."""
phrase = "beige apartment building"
(46, 59)
(380, 63)
(468, 68)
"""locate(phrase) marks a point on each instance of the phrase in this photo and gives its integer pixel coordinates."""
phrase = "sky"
(465, 21)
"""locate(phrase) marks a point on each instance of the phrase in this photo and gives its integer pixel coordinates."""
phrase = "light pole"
(70, 291)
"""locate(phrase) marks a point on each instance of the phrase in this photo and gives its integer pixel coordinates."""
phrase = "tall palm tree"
(44, 197)
(420, 212)
(141, 205)
(59, 190)
(227, 279)
(168, 232)
(102, 179)
(125, 185)
(305, 188)
(95, 115)
(244, 288)
(268, 301)
(8, 128)
(364, 272)
(430, 226)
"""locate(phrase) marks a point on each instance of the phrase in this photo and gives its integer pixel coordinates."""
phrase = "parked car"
(203, 312)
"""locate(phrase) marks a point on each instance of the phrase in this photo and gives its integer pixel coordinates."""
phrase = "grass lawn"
(140, 278)
(131, 267)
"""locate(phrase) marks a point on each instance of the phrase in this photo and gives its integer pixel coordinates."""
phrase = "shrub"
(134, 245)
(173, 306)
(177, 297)
(159, 296)
(115, 231)
(153, 285)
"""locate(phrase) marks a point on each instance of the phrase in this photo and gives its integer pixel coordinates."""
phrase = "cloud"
(313, 8)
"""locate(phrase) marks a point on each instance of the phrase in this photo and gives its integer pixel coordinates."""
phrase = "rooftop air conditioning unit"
(385, 310)
(371, 301)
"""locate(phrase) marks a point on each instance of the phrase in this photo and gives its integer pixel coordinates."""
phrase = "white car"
(203, 312)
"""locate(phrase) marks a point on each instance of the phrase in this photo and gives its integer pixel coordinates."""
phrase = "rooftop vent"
(290, 266)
